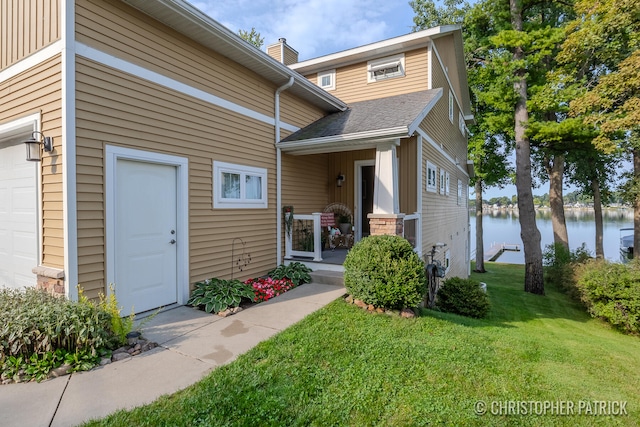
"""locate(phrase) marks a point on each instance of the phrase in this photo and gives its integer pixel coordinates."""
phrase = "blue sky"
(314, 27)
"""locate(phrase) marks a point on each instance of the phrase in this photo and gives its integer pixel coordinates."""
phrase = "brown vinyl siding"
(343, 162)
(39, 90)
(352, 85)
(304, 182)
(437, 124)
(25, 27)
(120, 109)
(446, 50)
(117, 29)
(407, 153)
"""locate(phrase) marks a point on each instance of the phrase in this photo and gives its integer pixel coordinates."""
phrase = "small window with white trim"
(447, 183)
(459, 192)
(432, 177)
(385, 68)
(461, 124)
(442, 181)
(447, 260)
(327, 80)
(239, 186)
(451, 106)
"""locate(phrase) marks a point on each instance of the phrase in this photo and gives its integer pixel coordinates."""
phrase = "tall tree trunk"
(636, 203)
(479, 232)
(534, 277)
(555, 170)
(597, 209)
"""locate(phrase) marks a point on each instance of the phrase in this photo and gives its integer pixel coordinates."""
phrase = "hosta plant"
(215, 295)
(297, 272)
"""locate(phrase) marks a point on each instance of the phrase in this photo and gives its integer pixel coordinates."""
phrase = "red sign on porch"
(327, 219)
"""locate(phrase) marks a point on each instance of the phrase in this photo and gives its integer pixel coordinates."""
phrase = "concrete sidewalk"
(192, 343)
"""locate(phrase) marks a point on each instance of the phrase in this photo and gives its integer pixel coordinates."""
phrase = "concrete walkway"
(192, 344)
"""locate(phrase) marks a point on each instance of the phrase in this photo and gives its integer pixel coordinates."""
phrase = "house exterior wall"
(445, 217)
(114, 107)
(27, 26)
(446, 50)
(305, 185)
(39, 90)
(352, 85)
(343, 162)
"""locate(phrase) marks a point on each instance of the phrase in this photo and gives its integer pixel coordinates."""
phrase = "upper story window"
(238, 186)
(432, 177)
(327, 80)
(385, 68)
(461, 124)
(451, 106)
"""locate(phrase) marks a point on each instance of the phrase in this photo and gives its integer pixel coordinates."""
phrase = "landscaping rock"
(236, 310)
(349, 299)
(120, 356)
(105, 361)
(379, 310)
(360, 303)
(407, 313)
(60, 371)
(225, 313)
(370, 307)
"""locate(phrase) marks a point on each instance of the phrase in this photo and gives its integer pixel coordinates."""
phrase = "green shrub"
(39, 332)
(560, 264)
(611, 291)
(215, 295)
(386, 272)
(297, 272)
(464, 297)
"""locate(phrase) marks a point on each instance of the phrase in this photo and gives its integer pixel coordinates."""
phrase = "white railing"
(305, 236)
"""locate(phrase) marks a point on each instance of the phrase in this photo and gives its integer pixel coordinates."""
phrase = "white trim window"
(461, 124)
(459, 192)
(432, 177)
(447, 183)
(385, 68)
(442, 181)
(450, 106)
(238, 186)
(327, 80)
(447, 260)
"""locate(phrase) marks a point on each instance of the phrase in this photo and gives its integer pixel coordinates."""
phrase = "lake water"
(503, 226)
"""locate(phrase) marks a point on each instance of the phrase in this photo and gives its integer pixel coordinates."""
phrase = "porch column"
(386, 217)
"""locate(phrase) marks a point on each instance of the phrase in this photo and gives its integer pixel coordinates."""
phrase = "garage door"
(18, 218)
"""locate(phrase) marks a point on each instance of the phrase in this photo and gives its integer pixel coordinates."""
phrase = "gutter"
(279, 170)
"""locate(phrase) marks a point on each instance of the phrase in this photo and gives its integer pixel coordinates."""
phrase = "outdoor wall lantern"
(33, 146)
(340, 180)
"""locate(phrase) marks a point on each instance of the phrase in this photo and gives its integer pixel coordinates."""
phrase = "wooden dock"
(498, 249)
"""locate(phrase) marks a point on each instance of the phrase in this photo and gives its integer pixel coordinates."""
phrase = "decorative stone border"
(405, 312)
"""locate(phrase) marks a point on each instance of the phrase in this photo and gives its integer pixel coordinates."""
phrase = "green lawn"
(345, 366)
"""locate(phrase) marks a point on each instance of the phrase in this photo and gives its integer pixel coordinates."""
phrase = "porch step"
(327, 277)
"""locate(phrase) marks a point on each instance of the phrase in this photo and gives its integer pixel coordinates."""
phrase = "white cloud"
(314, 27)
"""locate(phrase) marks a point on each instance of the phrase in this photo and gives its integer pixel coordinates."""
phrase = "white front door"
(146, 238)
(18, 216)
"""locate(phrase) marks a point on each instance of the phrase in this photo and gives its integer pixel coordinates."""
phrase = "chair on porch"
(344, 239)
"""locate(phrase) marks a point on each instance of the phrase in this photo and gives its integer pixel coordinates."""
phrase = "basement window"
(385, 68)
(238, 186)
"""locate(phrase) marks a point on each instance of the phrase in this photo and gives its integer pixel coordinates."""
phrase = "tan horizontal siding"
(119, 109)
(296, 112)
(344, 163)
(275, 51)
(39, 90)
(122, 31)
(25, 27)
(407, 154)
(444, 220)
(352, 85)
(446, 50)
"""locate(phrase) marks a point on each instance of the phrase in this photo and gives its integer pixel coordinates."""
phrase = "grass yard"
(344, 366)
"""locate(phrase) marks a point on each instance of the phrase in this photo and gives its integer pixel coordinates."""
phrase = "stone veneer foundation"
(386, 224)
(50, 279)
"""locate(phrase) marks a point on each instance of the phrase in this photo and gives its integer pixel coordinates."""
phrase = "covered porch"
(368, 158)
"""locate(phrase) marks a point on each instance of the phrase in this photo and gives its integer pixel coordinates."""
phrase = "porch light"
(33, 146)
(340, 180)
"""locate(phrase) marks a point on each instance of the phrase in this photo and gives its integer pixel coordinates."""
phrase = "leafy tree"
(252, 37)
(604, 43)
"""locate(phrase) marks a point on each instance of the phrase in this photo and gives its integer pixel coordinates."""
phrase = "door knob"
(172, 241)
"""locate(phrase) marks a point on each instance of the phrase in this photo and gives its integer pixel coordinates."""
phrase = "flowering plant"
(267, 288)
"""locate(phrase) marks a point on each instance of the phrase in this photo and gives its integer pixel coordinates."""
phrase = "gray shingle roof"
(367, 116)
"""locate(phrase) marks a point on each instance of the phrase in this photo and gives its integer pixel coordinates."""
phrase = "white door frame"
(357, 192)
(112, 155)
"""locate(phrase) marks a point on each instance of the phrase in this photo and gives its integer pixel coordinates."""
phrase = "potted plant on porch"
(344, 224)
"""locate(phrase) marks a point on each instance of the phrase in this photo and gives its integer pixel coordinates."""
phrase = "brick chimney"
(282, 52)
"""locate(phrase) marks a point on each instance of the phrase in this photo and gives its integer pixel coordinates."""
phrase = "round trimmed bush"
(386, 272)
(464, 297)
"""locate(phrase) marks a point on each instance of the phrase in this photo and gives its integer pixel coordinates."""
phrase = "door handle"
(172, 241)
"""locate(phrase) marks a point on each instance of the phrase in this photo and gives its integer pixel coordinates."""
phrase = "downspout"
(279, 171)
